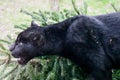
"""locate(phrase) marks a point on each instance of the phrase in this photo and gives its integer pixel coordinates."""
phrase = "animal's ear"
(39, 40)
(34, 24)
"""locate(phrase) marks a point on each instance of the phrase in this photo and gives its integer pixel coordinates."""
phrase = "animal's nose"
(12, 47)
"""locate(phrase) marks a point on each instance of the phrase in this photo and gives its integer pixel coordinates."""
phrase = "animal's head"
(28, 44)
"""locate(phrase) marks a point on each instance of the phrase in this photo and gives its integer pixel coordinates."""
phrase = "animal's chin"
(22, 60)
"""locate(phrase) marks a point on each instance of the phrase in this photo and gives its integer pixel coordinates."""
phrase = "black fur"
(92, 42)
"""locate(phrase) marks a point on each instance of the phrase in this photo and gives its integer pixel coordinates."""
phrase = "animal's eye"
(23, 40)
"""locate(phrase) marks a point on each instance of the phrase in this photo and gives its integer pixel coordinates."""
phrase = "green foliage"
(82, 10)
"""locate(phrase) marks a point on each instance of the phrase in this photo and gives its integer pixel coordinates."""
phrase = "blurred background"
(10, 14)
(16, 15)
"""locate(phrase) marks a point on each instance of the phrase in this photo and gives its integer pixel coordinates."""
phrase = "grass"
(100, 6)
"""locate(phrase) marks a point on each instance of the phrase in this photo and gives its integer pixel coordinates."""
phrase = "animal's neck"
(55, 35)
(61, 26)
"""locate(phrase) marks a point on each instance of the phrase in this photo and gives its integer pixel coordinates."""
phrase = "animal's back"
(112, 21)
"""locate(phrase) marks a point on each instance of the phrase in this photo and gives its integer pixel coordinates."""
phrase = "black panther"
(91, 42)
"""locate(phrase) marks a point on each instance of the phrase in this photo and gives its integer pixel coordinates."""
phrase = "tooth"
(18, 58)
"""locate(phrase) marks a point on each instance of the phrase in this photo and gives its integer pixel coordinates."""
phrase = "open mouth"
(22, 60)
